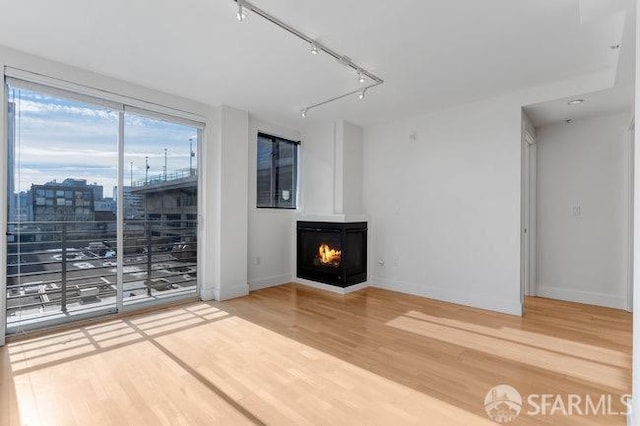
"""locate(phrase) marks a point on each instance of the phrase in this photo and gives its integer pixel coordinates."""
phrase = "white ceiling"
(618, 99)
(430, 53)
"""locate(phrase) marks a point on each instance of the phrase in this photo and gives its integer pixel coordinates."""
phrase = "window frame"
(274, 175)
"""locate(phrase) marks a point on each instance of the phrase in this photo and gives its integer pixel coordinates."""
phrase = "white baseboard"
(207, 293)
(579, 296)
(632, 418)
(269, 281)
(481, 301)
(231, 292)
(331, 288)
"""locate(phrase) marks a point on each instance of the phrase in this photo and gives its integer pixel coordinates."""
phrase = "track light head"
(242, 12)
(314, 49)
(303, 112)
(361, 78)
(362, 94)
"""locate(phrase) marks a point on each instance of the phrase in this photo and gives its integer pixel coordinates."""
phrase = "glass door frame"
(4, 211)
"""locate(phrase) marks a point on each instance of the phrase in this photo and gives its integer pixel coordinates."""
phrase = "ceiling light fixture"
(575, 102)
(242, 13)
(244, 6)
(362, 94)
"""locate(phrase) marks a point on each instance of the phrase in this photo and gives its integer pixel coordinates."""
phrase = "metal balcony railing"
(60, 266)
(166, 177)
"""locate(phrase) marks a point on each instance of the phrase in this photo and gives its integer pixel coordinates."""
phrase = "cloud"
(32, 107)
(57, 138)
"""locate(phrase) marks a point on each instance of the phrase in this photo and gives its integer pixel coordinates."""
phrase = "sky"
(59, 138)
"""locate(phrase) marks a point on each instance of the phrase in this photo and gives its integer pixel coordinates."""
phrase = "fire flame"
(327, 255)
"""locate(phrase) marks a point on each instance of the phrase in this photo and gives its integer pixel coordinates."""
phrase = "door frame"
(629, 178)
(529, 207)
(4, 212)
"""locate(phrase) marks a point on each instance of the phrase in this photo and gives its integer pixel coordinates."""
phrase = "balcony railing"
(58, 267)
(166, 177)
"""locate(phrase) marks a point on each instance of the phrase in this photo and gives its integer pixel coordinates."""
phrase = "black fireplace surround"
(332, 252)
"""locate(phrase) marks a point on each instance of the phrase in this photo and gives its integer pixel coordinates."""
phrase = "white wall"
(348, 164)
(271, 251)
(317, 169)
(232, 232)
(445, 210)
(331, 178)
(582, 210)
(446, 207)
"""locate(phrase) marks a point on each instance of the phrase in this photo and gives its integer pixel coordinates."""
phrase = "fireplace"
(332, 252)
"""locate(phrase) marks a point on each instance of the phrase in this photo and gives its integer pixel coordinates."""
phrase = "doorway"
(577, 165)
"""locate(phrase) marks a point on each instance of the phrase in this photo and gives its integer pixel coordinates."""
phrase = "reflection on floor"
(294, 355)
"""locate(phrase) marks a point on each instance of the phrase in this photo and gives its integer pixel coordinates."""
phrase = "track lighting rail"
(316, 47)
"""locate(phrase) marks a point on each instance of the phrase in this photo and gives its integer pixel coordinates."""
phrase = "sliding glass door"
(161, 207)
(102, 206)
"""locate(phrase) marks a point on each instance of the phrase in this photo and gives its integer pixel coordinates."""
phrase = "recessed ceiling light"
(575, 102)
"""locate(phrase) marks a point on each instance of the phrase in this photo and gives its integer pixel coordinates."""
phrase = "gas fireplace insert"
(332, 252)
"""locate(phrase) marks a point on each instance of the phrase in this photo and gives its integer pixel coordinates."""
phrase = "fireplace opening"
(328, 256)
(332, 253)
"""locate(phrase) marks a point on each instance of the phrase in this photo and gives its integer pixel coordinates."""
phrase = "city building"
(106, 211)
(170, 197)
(133, 203)
(170, 203)
(70, 200)
(22, 209)
(98, 191)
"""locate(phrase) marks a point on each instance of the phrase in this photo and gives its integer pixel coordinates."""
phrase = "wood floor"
(295, 355)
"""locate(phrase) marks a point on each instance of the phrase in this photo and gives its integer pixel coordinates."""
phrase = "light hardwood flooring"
(295, 355)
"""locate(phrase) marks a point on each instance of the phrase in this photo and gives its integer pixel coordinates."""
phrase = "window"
(277, 172)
